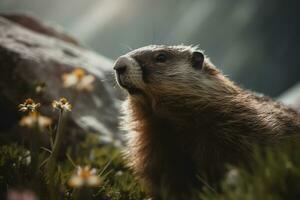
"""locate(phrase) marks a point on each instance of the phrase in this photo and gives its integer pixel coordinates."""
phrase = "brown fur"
(182, 129)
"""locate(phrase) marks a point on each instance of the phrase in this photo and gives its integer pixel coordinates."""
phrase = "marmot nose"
(120, 69)
(122, 65)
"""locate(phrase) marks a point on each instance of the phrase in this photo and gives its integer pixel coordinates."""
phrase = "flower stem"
(58, 136)
(56, 146)
(34, 146)
(83, 193)
(52, 161)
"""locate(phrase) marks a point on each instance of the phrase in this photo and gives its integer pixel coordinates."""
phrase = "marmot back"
(184, 119)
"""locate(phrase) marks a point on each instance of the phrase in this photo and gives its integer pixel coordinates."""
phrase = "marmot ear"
(197, 60)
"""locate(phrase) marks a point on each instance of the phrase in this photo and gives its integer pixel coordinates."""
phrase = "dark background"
(255, 42)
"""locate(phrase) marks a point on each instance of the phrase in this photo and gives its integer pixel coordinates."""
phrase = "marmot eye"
(162, 57)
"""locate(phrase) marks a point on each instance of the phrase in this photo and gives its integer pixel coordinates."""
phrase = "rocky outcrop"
(32, 54)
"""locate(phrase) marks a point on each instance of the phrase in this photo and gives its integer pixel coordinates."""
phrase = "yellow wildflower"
(79, 80)
(84, 177)
(62, 104)
(28, 105)
(33, 119)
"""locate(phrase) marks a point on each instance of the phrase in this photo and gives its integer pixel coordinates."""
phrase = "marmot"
(186, 120)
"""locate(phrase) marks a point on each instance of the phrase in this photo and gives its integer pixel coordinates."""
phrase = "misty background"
(254, 42)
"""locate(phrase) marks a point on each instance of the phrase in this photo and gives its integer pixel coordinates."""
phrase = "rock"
(35, 25)
(34, 55)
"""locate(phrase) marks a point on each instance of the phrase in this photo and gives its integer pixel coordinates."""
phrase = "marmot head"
(158, 70)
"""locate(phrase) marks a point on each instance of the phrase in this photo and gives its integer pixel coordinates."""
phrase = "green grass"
(275, 175)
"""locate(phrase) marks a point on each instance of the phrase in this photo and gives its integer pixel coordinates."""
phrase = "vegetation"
(275, 175)
(115, 180)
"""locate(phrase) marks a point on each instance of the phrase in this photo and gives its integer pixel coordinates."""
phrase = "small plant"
(62, 105)
(36, 123)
